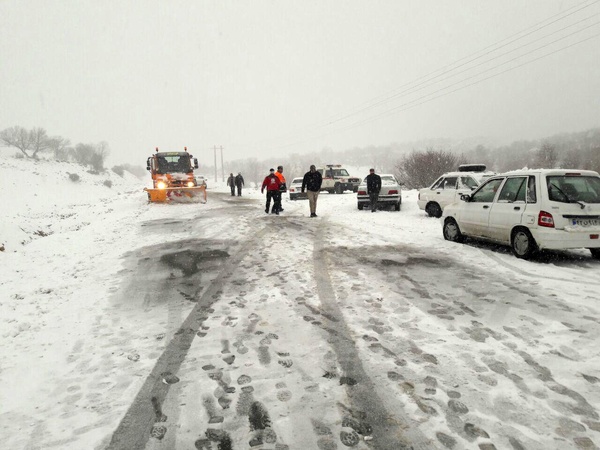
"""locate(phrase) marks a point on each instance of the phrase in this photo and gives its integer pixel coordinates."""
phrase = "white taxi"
(531, 210)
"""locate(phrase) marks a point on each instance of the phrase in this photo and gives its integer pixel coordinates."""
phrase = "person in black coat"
(231, 183)
(312, 183)
(239, 182)
(373, 188)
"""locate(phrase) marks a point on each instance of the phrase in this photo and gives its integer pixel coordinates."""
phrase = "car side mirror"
(465, 197)
(195, 163)
(148, 167)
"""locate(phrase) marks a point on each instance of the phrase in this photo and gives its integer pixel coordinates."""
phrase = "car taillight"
(292, 189)
(545, 219)
(362, 192)
(393, 191)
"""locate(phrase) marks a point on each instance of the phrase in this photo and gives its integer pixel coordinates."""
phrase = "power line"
(444, 70)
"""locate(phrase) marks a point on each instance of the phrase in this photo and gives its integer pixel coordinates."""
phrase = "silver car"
(390, 194)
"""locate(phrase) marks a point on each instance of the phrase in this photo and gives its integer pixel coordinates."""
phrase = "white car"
(450, 186)
(531, 210)
(390, 194)
(295, 189)
(200, 180)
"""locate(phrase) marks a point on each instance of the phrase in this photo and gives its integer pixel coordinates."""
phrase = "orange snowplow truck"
(173, 178)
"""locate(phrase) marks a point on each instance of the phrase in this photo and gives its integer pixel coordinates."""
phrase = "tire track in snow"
(387, 432)
(135, 428)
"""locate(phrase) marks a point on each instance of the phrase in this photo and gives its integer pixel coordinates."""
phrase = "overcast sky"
(268, 77)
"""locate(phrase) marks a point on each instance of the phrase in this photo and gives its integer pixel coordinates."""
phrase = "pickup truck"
(336, 179)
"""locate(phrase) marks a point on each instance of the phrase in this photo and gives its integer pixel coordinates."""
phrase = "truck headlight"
(190, 184)
(161, 185)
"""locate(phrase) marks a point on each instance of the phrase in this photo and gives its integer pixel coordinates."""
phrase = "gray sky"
(268, 77)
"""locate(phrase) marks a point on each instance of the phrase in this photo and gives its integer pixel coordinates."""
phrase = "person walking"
(283, 188)
(373, 188)
(239, 182)
(231, 184)
(272, 184)
(312, 183)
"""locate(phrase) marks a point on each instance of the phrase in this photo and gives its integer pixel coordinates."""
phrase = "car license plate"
(586, 222)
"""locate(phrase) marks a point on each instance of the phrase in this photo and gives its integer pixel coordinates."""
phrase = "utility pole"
(215, 149)
(222, 168)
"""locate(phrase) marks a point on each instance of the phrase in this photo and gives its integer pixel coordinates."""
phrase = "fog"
(267, 78)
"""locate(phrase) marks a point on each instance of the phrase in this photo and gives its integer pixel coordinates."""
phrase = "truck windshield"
(174, 163)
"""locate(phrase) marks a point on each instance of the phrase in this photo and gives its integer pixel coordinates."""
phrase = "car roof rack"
(472, 168)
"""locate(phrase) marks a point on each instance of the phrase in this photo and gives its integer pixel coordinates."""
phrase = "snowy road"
(218, 326)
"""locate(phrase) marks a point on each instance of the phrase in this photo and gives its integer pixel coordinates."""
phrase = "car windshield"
(338, 172)
(388, 180)
(573, 189)
(297, 180)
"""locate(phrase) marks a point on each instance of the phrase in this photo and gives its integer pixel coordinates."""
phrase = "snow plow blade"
(177, 195)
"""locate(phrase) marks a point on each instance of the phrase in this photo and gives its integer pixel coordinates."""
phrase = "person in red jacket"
(272, 184)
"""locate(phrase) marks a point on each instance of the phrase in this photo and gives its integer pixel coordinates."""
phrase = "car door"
(508, 208)
(445, 191)
(474, 214)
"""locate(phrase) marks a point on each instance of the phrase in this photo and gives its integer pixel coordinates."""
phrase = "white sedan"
(390, 194)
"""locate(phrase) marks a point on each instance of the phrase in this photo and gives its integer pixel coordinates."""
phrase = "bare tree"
(546, 157)
(60, 147)
(420, 169)
(17, 137)
(39, 140)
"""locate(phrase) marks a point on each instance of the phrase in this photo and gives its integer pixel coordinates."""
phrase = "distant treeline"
(418, 164)
(36, 141)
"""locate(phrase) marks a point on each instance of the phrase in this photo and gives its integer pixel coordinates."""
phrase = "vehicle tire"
(293, 197)
(433, 210)
(338, 189)
(360, 206)
(397, 206)
(522, 243)
(452, 231)
(595, 253)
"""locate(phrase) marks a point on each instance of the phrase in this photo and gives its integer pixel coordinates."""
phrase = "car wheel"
(595, 253)
(433, 210)
(338, 189)
(360, 206)
(293, 197)
(397, 206)
(523, 244)
(452, 231)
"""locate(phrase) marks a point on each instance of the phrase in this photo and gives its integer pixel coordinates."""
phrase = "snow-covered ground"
(350, 329)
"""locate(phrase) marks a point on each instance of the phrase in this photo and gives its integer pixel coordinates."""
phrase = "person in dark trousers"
(373, 188)
(283, 188)
(272, 184)
(231, 183)
(239, 182)
(312, 183)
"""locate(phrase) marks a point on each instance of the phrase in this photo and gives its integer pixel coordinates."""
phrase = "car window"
(513, 190)
(487, 192)
(388, 181)
(467, 183)
(436, 183)
(571, 189)
(450, 183)
(445, 183)
(531, 194)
